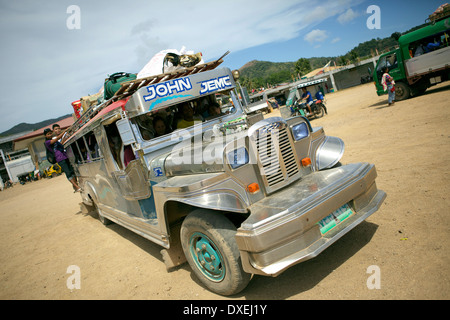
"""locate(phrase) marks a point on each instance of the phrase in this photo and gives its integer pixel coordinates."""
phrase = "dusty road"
(43, 232)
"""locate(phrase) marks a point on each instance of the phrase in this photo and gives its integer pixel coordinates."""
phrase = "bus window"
(121, 154)
(74, 153)
(429, 44)
(83, 149)
(92, 146)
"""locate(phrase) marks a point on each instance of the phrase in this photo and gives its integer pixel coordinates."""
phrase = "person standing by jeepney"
(388, 84)
(57, 131)
(55, 146)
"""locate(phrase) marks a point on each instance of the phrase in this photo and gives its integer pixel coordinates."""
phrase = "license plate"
(336, 217)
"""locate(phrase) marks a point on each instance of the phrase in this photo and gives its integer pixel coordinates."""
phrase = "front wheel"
(208, 241)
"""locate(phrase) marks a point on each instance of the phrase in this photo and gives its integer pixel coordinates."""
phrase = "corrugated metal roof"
(14, 136)
(64, 123)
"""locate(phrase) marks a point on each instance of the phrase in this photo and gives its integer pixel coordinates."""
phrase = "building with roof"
(34, 141)
(8, 154)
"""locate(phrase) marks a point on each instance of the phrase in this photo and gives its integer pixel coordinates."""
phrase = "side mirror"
(125, 131)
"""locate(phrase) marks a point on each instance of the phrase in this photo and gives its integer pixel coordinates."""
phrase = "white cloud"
(337, 39)
(316, 35)
(347, 16)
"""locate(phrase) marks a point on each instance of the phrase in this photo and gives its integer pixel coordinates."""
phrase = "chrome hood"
(199, 155)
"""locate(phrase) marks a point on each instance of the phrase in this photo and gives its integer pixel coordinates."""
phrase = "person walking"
(388, 84)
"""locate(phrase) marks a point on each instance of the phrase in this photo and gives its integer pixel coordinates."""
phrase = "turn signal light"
(253, 187)
(306, 162)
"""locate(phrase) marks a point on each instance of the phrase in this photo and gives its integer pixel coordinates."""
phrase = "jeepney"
(231, 199)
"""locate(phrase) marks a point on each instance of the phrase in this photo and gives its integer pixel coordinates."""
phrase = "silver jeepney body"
(280, 222)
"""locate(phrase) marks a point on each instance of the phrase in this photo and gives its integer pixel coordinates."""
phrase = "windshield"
(292, 97)
(184, 115)
(388, 61)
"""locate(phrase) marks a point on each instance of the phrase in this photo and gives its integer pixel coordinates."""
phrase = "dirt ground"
(43, 232)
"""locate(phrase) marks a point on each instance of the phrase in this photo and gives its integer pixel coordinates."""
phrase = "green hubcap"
(207, 257)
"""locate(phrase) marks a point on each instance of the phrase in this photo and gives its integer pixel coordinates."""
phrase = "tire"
(320, 112)
(208, 241)
(101, 218)
(402, 91)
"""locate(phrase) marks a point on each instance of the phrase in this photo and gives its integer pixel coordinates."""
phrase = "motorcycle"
(318, 109)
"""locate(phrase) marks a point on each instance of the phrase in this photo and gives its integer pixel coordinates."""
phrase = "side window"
(85, 149)
(121, 154)
(380, 67)
(92, 146)
(74, 152)
(428, 44)
(389, 61)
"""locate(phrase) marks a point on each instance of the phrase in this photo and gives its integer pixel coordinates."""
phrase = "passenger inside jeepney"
(160, 127)
(188, 117)
(214, 111)
(179, 116)
(122, 154)
(144, 123)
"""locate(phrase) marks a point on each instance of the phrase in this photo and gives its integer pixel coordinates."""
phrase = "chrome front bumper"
(283, 229)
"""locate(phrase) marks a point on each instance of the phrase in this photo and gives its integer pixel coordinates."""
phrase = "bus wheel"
(402, 91)
(208, 241)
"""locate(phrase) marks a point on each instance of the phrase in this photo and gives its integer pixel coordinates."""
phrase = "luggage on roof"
(113, 83)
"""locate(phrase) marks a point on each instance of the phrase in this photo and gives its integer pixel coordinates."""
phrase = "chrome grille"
(277, 160)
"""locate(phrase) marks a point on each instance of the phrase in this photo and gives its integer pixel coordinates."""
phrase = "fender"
(229, 201)
(210, 191)
(89, 194)
(329, 152)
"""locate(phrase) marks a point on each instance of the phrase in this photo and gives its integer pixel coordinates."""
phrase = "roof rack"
(441, 13)
(130, 87)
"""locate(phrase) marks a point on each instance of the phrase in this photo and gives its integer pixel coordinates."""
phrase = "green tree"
(302, 66)
(353, 56)
(343, 60)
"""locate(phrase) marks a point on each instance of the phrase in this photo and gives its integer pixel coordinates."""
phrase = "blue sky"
(341, 34)
(46, 65)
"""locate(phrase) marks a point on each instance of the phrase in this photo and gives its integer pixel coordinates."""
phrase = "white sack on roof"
(157, 66)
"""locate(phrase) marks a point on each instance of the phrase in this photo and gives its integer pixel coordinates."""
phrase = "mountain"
(260, 73)
(23, 127)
